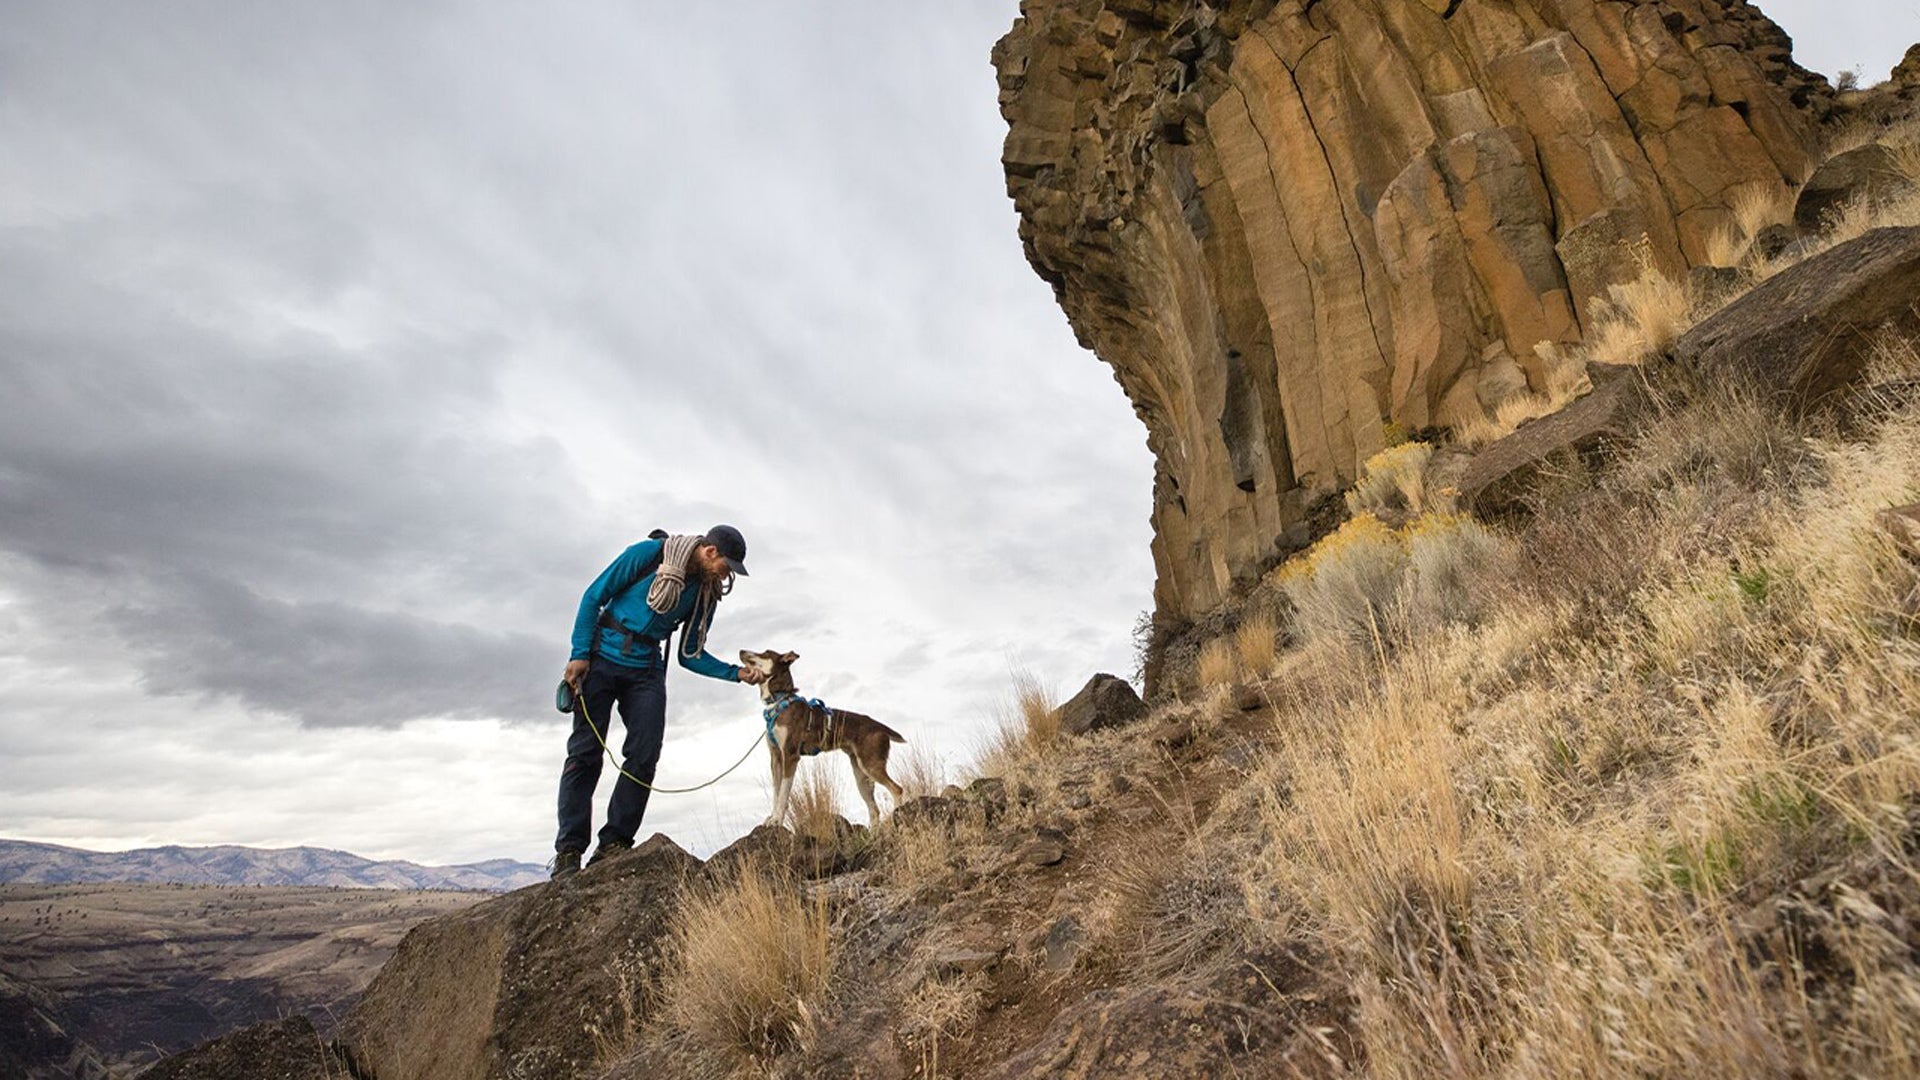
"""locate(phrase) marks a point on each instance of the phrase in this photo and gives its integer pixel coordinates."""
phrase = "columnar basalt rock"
(1290, 225)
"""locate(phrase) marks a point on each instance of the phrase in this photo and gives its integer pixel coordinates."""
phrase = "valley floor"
(135, 971)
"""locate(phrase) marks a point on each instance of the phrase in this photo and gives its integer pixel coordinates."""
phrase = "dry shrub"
(1216, 666)
(920, 854)
(1642, 317)
(941, 1009)
(753, 966)
(1347, 586)
(1732, 438)
(1256, 643)
(1392, 483)
(1457, 568)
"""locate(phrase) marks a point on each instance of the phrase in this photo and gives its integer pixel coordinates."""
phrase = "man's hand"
(576, 670)
(752, 676)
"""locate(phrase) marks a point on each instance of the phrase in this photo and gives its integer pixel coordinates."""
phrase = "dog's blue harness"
(778, 703)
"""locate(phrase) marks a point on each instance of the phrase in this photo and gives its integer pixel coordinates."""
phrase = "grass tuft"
(1392, 483)
(753, 965)
(1026, 726)
(1256, 644)
(1217, 665)
(1641, 318)
(814, 806)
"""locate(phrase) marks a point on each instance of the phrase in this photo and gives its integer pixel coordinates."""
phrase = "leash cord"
(580, 702)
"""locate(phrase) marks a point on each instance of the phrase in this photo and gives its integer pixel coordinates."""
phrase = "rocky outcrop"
(1871, 172)
(530, 984)
(1106, 701)
(1810, 331)
(1289, 225)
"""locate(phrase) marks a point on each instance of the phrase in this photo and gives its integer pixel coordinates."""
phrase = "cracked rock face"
(1289, 225)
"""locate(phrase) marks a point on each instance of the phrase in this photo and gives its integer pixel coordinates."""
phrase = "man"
(659, 585)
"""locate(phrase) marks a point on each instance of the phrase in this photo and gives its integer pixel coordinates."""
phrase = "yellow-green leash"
(580, 702)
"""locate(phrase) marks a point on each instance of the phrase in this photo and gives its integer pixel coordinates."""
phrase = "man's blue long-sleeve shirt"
(621, 591)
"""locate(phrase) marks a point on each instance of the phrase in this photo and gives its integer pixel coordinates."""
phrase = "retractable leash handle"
(563, 697)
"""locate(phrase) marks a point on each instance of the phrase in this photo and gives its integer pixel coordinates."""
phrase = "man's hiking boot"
(609, 847)
(565, 864)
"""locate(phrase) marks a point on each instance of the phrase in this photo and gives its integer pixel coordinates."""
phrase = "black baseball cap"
(732, 545)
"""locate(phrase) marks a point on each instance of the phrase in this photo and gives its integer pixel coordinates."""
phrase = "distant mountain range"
(27, 862)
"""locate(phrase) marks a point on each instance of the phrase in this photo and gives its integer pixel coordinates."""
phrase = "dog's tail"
(892, 735)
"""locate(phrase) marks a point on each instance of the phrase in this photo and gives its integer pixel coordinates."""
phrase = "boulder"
(928, 810)
(519, 985)
(1047, 847)
(800, 855)
(962, 960)
(1106, 701)
(1496, 480)
(287, 1049)
(1060, 946)
(1870, 172)
(989, 794)
(1809, 330)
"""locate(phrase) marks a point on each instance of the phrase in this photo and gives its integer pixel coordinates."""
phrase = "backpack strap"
(606, 616)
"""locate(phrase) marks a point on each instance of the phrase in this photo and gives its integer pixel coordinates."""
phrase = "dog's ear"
(790, 657)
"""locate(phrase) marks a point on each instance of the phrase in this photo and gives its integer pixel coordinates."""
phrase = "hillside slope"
(1619, 784)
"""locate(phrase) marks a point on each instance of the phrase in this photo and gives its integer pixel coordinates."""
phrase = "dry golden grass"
(1025, 726)
(1755, 207)
(1256, 644)
(1217, 665)
(1566, 380)
(1639, 318)
(752, 971)
(814, 806)
(918, 770)
(1392, 482)
(938, 1010)
(1558, 840)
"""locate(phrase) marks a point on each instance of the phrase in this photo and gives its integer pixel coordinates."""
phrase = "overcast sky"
(341, 345)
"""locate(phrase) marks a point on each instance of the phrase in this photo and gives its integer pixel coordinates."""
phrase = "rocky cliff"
(1292, 228)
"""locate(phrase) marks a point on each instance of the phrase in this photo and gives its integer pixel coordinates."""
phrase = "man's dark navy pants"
(642, 696)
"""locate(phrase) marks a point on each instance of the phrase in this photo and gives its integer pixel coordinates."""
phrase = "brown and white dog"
(798, 727)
